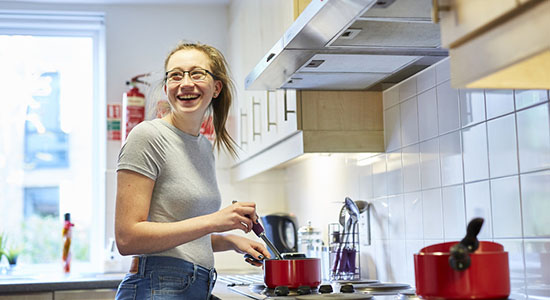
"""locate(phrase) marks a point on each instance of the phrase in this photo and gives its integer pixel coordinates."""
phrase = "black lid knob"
(347, 288)
(325, 289)
(282, 290)
(304, 290)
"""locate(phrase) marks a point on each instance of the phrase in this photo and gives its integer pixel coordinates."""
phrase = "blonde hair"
(220, 105)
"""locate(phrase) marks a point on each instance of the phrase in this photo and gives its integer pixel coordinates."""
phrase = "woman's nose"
(186, 81)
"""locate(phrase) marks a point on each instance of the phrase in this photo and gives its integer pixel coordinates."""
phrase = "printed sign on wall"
(113, 122)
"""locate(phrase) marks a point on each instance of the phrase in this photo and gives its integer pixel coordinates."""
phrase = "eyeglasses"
(196, 75)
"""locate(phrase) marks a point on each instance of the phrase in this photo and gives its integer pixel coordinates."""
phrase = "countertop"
(58, 282)
(13, 284)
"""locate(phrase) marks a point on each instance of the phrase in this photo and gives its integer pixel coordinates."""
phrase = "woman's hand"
(241, 245)
(239, 215)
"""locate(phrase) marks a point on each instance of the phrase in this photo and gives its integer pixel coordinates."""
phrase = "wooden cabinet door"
(465, 17)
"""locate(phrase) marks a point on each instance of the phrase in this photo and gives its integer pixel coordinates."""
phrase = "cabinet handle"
(436, 8)
(269, 123)
(254, 133)
(243, 115)
(286, 108)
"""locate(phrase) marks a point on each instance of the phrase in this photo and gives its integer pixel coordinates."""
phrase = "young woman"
(168, 203)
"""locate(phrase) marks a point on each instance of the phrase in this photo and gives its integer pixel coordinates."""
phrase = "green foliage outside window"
(43, 241)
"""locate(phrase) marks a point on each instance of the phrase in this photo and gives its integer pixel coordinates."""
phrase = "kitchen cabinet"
(466, 17)
(496, 44)
(99, 294)
(284, 124)
(33, 296)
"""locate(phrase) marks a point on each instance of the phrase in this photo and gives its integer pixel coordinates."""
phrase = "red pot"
(292, 272)
(487, 277)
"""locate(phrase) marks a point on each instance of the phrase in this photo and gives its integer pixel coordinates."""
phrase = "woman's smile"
(187, 97)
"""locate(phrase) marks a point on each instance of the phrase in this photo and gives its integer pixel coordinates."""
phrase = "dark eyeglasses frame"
(187, 72)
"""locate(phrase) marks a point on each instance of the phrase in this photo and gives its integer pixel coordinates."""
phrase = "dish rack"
(344, 252)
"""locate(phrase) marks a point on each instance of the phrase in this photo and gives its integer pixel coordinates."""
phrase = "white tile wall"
(474, 151)
(478, 205)
(525, 98)
(394, 173)
(427, 115)
(409, 121)
(454, 213)
(534, 138)
(499, 102)
(429, 164)
(472, 107)
(450, 154)
(392, 128)
(481, 153)
(506, 207)
(432, 214)
(501, 136)
(411, 168)
(447, 107)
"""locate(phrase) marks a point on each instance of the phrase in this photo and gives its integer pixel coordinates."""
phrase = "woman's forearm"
(151, 237)
(222, 242)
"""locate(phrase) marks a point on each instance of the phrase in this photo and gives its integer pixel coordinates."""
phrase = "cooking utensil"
(342, 221)
(260, 232)
(292, 272)
(352, 208)
(486, 277)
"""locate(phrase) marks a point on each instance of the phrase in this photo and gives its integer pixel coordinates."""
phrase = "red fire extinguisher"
(133, 106)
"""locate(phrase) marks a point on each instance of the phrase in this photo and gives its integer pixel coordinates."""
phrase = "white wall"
(138, 38)
(451, 155)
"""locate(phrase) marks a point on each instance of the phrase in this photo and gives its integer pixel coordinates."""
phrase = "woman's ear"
(218, 90)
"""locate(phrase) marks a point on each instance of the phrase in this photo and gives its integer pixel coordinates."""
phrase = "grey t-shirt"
(182, 166)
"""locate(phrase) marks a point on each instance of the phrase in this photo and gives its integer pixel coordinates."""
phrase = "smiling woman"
(51, 134)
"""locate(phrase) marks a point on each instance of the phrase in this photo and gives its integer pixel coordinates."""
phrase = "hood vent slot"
(314, 63)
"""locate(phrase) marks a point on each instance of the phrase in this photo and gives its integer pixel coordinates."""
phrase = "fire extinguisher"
(133, 106)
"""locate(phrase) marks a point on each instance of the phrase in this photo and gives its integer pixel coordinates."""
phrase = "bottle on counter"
(67, 237)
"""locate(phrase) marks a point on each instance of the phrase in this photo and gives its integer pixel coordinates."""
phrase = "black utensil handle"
(473, 229)
(459, 258)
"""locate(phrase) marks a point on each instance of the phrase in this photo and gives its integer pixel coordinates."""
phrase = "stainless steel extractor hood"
(351, 45)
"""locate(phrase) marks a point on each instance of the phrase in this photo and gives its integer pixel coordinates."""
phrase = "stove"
(252, 286)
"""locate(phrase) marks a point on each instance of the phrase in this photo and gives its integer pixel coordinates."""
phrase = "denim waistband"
(148, 263)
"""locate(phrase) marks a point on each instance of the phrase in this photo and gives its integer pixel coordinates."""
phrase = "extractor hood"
(351, 45)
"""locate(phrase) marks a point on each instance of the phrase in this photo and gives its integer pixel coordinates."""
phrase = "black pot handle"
(459, 258)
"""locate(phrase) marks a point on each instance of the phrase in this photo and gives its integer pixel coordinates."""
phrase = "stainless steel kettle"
(281, 229)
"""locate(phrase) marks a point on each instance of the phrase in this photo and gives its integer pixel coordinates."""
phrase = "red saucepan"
(290, 271)
(293, 272)
(468, 269)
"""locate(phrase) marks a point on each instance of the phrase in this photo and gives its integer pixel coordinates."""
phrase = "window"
(52, 135)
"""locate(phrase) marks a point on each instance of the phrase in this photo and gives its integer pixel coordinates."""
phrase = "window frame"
(77, 24)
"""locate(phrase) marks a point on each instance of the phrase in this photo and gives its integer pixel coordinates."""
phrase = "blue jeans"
(166, 278)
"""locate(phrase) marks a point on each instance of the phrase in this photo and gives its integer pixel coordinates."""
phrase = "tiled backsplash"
(451, 155)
